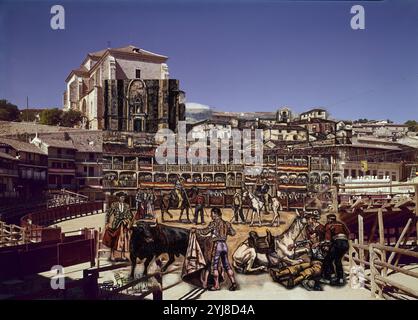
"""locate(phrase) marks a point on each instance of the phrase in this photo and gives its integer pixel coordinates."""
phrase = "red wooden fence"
(57, 214)
(50, 246)
(19, 261)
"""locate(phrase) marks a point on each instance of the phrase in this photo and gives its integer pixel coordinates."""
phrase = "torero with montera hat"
(118, 222)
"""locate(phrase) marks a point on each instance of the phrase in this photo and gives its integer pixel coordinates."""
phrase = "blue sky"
(232, 56)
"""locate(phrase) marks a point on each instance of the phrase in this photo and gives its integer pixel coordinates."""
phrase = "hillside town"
(310, 161)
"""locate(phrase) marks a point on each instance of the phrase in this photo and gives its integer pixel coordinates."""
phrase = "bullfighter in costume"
(336, 240)
(219, 230)
(117, 233)
(179, 192)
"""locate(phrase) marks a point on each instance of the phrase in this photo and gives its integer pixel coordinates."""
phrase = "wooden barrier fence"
(375, 269)
(12, 235)
(57, 214)
(66, 249)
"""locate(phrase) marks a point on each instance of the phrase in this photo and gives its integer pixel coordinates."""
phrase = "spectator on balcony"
(117, 235)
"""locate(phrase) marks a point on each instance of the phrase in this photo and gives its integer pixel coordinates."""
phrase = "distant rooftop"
(21, 146)
(11, 129)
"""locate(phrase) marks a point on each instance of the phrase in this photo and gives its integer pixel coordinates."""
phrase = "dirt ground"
(242, 230)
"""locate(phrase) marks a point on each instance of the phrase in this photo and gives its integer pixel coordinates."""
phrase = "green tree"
(412, 125)
(361, 120)
(30, 114)
(51, 117)
(71, 118)
(8, 111)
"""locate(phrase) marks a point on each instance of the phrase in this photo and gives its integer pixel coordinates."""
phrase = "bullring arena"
(251, 287)
(97, 278)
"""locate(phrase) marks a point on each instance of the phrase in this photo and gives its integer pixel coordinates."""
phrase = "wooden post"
(405, 241)
(372, 257)
(361, 239)
(372, 231)
(382, 237)
(350, 260)
(398, 242)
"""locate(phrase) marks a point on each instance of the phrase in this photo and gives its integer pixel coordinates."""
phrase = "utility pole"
(27, 109)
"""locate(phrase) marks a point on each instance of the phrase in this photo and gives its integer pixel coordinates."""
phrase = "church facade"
(125, 88)
(139, 105)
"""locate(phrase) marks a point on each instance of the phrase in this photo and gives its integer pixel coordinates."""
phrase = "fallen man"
(304, 273)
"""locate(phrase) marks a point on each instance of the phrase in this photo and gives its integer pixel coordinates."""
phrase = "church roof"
(130, 50)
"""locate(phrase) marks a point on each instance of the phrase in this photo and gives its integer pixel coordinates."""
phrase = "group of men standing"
(144, 200)
(328, 244)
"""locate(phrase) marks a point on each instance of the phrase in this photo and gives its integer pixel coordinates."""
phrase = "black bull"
(149, 241)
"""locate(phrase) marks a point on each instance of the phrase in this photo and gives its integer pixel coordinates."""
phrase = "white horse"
(245, 259)
(256, 206)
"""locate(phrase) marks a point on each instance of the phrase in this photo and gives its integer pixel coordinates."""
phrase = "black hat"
(120, 194)
(313, 214)
(217, 211)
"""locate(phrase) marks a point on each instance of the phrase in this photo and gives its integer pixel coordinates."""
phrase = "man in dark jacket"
(336, 244)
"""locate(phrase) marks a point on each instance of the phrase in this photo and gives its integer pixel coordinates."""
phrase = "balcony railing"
(177, 168)
(62, 156)
(9, 172)
(159, 167)
(319, 166)
(128, 183)
(129, 166)
(235, 167)
(107, 166)
(119, 183)
(41, 163)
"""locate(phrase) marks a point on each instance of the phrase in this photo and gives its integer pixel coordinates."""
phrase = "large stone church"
(125, 89)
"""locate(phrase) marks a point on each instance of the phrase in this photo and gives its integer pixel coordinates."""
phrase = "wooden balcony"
(320, 167)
